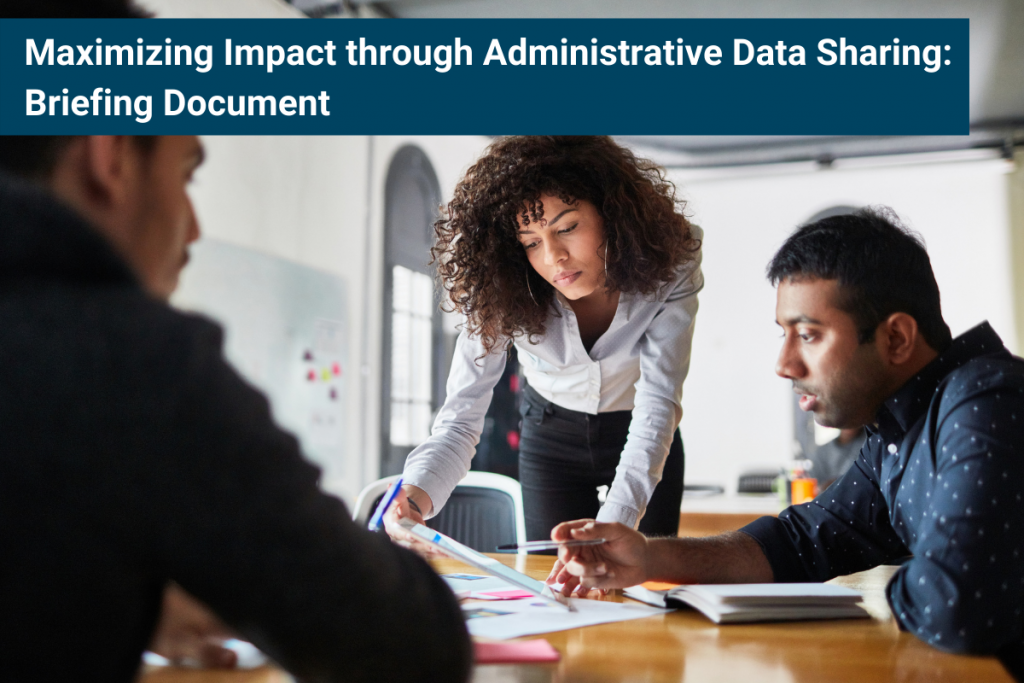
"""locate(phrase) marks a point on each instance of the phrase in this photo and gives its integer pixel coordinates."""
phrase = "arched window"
(414, 363)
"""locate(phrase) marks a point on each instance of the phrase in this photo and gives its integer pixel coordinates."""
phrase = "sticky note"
(510, 594)
(659, 585)
(538, 650)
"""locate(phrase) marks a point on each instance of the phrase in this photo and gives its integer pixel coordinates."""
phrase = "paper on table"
(529, 617)
(507, 653)
(511, 594)
(481, 584)
(473, 587)
(463, 553)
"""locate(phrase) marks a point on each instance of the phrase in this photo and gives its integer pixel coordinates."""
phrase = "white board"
(286, 332)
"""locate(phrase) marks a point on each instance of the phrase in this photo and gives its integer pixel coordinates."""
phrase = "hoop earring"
(606, 262)
(530, 289)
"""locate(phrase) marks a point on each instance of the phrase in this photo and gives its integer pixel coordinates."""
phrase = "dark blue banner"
(623, 77)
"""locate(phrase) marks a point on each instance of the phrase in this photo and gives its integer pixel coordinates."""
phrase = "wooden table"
(684, 646)
(710, 515)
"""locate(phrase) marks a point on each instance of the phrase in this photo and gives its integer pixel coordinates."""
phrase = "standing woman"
(578, 253)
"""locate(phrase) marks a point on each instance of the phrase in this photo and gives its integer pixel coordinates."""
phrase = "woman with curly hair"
(578, 253)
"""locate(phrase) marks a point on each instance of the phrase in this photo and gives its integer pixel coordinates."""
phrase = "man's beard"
(854, 393)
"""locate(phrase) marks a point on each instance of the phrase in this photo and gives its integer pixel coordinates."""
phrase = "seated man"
(940, 477)
(132, 455)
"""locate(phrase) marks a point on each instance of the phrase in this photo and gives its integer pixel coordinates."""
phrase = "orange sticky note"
(538, 650)
(658, 585)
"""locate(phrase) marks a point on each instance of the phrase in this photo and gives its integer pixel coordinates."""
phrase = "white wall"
(307, 200)
(319, 202)
(1015, 190)
(304, 200)
(737, 413)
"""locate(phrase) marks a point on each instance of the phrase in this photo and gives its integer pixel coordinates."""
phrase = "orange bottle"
(804, 489)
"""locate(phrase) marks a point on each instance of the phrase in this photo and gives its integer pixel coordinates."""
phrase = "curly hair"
(482, 264)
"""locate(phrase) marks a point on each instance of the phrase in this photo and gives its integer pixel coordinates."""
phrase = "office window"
(412, 312)
(415, 354)
(417, 341)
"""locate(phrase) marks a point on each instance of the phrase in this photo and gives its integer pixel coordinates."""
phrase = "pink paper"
(538, 650)
(510, 594)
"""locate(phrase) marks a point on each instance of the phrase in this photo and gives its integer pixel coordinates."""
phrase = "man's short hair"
(882, 268)
(35, 156)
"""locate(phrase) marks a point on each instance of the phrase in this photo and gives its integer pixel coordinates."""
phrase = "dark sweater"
(132, 454)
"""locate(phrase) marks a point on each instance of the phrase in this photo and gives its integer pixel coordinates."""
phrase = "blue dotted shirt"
(939, 479)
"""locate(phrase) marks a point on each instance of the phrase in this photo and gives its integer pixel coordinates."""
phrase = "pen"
(548, 545)
(385, 503)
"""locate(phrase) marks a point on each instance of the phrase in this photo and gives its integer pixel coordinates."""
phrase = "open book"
(735, 603)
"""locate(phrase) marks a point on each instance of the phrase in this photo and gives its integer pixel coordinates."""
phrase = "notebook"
(738, 603)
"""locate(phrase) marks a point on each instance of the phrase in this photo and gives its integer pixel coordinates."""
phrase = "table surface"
(685, 646)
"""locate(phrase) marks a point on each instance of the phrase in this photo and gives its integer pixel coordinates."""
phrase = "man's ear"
(110, 169)
(898, 335)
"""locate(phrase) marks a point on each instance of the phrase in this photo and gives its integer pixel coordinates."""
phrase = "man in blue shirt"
(940, 478)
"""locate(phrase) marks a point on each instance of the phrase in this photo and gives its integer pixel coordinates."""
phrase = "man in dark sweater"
(132, 455)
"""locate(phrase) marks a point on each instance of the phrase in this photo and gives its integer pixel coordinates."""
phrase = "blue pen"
(385, 503)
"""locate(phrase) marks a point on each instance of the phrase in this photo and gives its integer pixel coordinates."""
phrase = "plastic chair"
(369, 498)
(484, 511)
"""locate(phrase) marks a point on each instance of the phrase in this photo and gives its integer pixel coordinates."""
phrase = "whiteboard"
(285, 332)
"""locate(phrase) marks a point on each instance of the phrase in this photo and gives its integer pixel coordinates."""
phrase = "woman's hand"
(411, 503)
(619, 562)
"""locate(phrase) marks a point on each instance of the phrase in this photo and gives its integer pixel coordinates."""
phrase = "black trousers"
(564, 455)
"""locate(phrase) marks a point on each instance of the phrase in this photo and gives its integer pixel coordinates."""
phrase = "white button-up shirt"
(638, 364)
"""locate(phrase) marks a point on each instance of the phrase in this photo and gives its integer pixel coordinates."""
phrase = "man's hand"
(189, 634)
(619, 562)
(405, 507)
